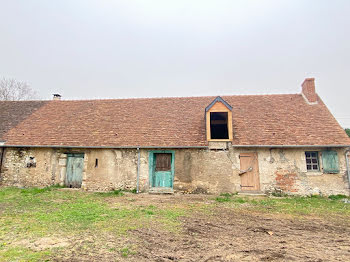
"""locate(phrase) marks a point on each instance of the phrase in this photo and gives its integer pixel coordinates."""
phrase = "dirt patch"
(44, 243)
(208, 231)
(236, 236)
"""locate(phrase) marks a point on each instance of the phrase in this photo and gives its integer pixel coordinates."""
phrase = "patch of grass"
(169, 217)
(35, 190)
(222, 199)
(23, 254)
(134, 190)
(239, 200)
(39, 190)
(294, 205)
(227, 197)
(337, 197)
(37, 213)
(126, 251)
(117, 192)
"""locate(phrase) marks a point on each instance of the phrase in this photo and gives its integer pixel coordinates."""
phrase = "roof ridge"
(150, 98)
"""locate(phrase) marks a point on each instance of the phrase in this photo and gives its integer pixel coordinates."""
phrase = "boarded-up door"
(162, 170)
(249, 172)
(75, 166)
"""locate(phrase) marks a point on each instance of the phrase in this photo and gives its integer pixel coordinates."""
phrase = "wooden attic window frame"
(219, 106)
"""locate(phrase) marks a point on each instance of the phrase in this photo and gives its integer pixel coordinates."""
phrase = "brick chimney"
(308, 90)
(56, 97)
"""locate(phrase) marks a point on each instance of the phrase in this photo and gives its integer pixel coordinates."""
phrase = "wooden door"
(75, 166)
(162, 170)
(249, 172)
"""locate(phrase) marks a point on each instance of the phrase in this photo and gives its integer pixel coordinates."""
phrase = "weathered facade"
(196, 170)
(257, 144)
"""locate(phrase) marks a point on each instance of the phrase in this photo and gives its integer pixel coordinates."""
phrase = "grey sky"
(137, 48)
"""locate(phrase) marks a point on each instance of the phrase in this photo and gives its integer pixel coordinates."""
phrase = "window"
(312, 163)
(218, 125)
(163, 161)
(218, 121)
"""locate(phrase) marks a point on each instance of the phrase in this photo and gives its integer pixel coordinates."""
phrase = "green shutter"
(330, 162)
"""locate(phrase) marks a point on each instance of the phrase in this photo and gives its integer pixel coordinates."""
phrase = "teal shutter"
(330, 162)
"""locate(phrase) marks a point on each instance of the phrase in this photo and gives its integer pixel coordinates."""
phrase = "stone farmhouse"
(249, 143)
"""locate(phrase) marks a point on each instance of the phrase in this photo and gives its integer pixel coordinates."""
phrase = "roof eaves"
(102, 147)
(289, 146)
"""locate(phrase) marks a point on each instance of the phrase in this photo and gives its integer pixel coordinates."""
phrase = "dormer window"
(218, 125)
(219, 120)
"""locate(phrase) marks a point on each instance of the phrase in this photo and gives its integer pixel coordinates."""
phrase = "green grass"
(35, 213)
(338, 197)
(293, 205)
(126, 251)
(118, 192)
(23, 254)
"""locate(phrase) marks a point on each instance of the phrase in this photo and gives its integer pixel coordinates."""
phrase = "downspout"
(2, 159)
(138, 171)
(348, 166)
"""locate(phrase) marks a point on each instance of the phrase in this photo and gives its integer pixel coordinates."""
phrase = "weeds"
(41, 212)
(126, 251)
(337, 197)
(37, 190)
(227, 197)
(117, 192)
(294, 205)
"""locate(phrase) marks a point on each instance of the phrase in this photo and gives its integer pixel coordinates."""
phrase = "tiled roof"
(169, 122)
(14, 112)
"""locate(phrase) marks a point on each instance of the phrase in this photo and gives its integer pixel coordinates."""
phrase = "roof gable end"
(218, 99)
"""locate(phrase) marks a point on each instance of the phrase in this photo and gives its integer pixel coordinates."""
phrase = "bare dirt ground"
(226, 234)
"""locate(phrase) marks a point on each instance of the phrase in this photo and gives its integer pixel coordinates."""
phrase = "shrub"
(337, 197)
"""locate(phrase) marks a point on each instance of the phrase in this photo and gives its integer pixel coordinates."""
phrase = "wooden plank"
(219, 107)
(249, 166)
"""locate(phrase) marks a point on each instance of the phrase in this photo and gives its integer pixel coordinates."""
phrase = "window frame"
(311, 163)
(227, 126)
(219, 107)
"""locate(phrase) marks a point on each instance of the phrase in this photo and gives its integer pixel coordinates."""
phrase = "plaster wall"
(196, 170)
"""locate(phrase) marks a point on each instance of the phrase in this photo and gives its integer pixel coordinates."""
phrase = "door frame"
(151, 158)
(74, 155)
(255, 154)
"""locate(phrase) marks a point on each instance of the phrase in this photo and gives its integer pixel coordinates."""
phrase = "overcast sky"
(137, 48)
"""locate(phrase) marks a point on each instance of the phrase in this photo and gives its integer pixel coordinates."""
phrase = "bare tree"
(14, 90)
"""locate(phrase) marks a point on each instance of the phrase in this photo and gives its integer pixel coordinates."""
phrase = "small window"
(312, 163)
(218, 125)
(163, 161)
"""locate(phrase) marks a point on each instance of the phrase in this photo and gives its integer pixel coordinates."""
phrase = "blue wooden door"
(75, 166)
(162, 174)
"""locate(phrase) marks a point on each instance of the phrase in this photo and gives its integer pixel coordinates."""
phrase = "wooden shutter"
(330, 162)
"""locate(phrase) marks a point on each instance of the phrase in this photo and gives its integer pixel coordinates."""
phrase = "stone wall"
(196, 170)
(29, 167)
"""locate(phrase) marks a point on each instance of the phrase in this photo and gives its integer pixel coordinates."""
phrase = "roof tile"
(168, 122)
